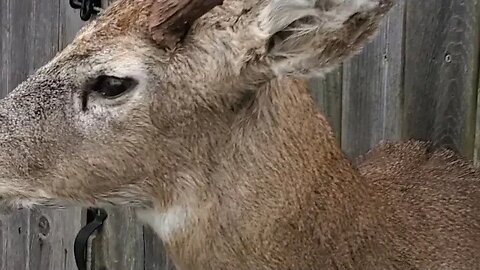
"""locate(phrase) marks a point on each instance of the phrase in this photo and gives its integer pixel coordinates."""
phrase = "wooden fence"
(418, 79)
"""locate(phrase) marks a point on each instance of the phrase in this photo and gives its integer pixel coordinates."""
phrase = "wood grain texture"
(37, 239)
(15, 245)
(17, 54)
(70, 23)
(155, 255)
(51, 231)
(372, 89)
(441, 69)
(327, 93)
(4, 45)
(119, 246)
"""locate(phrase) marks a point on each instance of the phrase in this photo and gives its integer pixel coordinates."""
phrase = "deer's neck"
(280, 194)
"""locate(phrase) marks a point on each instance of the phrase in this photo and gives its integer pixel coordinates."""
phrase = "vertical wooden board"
(476, 157)
(441, 72)
(43, 41)
(119, 245)
(44, 35)
(327, 92)
(70, 23)
(3, 243)
(20, 53)
(68, 26)
(4, 48)
(477, 130)
(43, 238)
(52, 231)
(155, 255)
(372, 89)
(16, 65)
(16, 240)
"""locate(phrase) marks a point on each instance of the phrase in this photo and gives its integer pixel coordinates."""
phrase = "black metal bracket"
(81, 241)
(88, 8)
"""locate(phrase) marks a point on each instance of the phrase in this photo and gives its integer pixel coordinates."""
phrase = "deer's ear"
(309, 36)
(170, 20)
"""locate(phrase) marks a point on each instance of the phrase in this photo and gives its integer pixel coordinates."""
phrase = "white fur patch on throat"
(166, 224)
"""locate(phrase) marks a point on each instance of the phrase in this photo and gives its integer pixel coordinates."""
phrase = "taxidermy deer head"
(195, 113)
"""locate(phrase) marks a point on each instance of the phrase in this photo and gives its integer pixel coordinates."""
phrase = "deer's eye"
(112, 87)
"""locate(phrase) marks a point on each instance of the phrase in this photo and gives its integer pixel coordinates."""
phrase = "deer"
(197, 114)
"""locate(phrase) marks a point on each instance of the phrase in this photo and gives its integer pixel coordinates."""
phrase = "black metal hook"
(87, 7)
(81, 241)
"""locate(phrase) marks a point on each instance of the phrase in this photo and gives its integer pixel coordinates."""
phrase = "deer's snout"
(34, 132)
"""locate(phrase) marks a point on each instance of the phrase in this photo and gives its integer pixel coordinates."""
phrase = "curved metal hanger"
(88, 8)
(81, 241)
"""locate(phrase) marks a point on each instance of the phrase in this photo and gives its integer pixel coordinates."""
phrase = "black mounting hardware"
(81, 241)
(87, 7)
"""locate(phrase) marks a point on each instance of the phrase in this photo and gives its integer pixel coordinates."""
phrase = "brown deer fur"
(224, 153)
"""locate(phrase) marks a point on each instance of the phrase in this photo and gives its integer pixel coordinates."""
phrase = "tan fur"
(223, 151)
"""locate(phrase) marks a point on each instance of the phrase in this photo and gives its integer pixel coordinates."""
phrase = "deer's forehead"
(91, 56)
(131, 18)
(122, 33)
(117, 24)
(111, 40)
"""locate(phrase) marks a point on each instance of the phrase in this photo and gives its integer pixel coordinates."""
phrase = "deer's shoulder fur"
(430, 195)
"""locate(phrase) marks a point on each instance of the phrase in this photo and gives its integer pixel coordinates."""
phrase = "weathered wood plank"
(4, 45)
(119, 245)
(20, 53)
(3, 246)
(42, 238)
(16, 240)
(327, 92)
(17, 62)
(372, 89)
(476, 157)
(70, 23)
(441, 71)
(4, 71)
(155, 256)
(52, 231)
